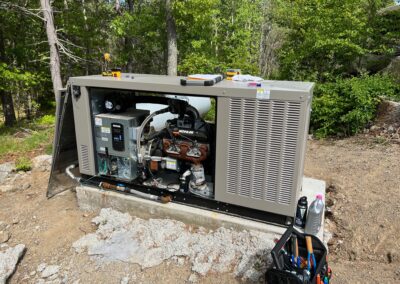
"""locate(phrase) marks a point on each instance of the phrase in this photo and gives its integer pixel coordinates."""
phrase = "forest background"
(350, 48)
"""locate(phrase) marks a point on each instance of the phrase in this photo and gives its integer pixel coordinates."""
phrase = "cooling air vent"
(262, 143)
(84, 163)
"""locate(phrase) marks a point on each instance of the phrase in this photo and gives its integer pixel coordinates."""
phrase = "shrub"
(46, 120)
(344, 107)
(23, 164)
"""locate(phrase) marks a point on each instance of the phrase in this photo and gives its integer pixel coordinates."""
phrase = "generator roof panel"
(289, 90)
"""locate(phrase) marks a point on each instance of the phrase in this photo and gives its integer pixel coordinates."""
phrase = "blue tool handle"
(308, 261)
(314, 263)
(298, 261)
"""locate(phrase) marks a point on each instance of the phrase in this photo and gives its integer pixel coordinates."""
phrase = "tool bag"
(285, 272)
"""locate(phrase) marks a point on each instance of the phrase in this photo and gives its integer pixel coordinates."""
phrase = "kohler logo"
(186, 132)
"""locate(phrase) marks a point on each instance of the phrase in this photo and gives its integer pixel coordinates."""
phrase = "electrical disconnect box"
(230, 147)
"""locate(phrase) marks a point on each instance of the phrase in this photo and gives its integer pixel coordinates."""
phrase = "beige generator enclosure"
(232, 147)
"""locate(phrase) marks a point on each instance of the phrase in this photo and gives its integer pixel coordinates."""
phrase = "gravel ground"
(120, 237)
(363, 200)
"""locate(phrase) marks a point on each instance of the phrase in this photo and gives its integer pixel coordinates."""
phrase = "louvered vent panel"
(262, 139)
(84, 164)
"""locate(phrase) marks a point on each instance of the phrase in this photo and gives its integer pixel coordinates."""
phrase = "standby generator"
(144, 135)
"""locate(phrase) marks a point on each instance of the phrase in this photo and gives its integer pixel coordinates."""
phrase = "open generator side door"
(64, 145)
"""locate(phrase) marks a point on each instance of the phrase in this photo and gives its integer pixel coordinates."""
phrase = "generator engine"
(182, 148)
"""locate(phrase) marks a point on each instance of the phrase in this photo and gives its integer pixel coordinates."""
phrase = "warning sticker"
(98, 121)
(105, 139)
(105, 130)
(102, 149)
(172, 164)
(263, 94)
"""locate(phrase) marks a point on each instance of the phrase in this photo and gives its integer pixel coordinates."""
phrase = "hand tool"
(318, 281)
(293, 240)
(295, 251)
(310, 254)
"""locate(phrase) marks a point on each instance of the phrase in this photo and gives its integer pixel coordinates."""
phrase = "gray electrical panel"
(115, 140)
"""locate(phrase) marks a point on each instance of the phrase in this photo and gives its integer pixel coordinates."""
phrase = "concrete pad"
(92, 198)
(311, 187)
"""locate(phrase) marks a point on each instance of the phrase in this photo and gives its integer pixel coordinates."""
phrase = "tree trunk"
(87, 39)
(8, 108)
(172, 49)
(54, 54)
(130, 6)
(117, 6)
(129, 42)
(5, 97)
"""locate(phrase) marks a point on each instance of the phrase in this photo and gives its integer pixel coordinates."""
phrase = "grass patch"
(23, 164)
(25, 137)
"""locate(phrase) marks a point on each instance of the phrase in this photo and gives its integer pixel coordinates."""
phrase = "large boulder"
(394, 68)
(9, 260)
(42, 163)
(5, 170)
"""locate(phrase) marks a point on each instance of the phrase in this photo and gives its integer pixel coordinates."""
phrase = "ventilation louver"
(262, 144)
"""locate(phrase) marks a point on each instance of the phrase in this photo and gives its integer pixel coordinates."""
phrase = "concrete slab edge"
(93, 198)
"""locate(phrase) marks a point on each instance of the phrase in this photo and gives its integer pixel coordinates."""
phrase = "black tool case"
(211, 82)
(282, 272)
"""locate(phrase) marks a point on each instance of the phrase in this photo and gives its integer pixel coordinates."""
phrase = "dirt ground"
(364, 209)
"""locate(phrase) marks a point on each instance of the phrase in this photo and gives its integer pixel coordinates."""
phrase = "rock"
(25, 186)
(393, 256)
(120, 237)
(7, 187)
(374, 128)
(4, 236)
(181, 261)
(52, 277)
(42, 163)
(5, 170)
(9, 260)
(54, 281)
(64, 280)
(50, 270)
(41, 267)
(353, 255)
(391, 129)
(125, 280)
(33, 273)
(396, 136)
(192, 278)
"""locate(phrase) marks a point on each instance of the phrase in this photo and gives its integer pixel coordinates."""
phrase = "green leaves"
(344, 107)
(12, 78)
(324, 37)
